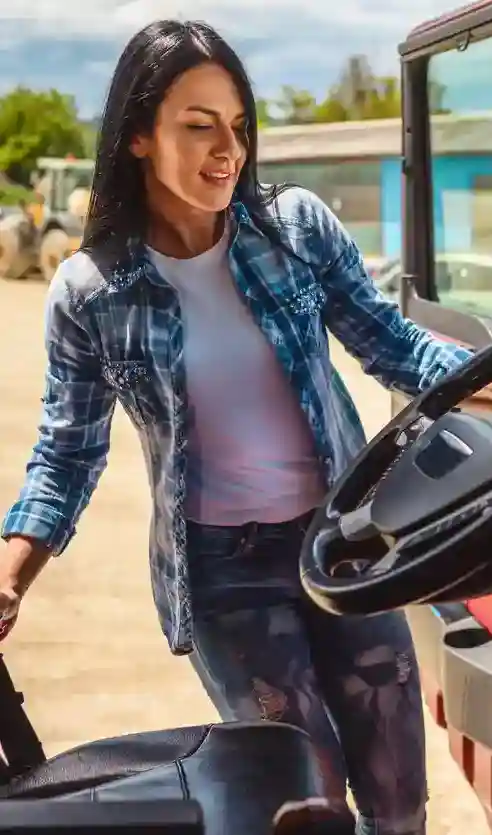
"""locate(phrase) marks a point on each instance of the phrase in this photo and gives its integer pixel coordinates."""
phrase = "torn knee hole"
(273, 702)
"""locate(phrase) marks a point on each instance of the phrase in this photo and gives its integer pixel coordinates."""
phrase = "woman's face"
(198, 144)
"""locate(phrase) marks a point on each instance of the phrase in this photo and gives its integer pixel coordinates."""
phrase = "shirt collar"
(137, 264)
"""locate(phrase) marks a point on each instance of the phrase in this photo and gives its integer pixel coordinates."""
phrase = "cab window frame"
(418, 227)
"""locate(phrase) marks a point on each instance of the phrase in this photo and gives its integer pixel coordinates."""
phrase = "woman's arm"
(390, 348)
(73, 441)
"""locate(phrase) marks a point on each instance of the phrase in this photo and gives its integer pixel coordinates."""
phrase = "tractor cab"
(49, 228)
(62, 190)
(446, 286)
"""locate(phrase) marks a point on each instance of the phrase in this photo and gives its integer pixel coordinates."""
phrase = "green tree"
(12, 194)
(298, 107)
(34, 124)
(355, 85)
(263, 113)
(332, 109)
(359, 94)
(383, 100)
(89, 132)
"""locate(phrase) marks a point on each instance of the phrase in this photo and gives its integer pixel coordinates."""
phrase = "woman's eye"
(199, 127)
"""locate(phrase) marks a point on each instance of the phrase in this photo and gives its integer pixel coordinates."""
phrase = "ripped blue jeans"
(264, 651)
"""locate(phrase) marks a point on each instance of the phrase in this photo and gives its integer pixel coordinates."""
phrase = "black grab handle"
(19, 742)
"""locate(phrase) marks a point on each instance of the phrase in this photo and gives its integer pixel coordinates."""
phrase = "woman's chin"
(216, 205)
(215, 198)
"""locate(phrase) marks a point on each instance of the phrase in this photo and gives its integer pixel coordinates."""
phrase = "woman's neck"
(185, 234)
(185, 241)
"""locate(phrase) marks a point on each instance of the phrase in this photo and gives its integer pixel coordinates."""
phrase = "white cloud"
(301, 42)
(242, 18)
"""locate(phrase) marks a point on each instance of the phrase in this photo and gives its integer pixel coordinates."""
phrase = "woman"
(200, 300)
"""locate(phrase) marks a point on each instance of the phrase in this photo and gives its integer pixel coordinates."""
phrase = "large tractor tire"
(16, 249)
(55, 247)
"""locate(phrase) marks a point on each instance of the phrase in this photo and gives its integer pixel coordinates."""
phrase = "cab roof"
(448, 25)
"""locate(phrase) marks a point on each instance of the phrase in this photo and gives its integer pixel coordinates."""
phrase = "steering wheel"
(410, 521)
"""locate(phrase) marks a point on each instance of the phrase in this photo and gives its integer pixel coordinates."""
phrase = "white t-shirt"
(250, 451)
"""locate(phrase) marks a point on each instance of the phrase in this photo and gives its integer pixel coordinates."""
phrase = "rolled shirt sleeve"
(390, 348)
(73, 440)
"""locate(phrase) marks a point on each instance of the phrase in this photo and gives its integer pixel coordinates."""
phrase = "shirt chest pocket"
(136, 388)
(306, 310)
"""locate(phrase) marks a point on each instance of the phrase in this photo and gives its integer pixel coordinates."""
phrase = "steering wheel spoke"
(387, 563)
(357, 525)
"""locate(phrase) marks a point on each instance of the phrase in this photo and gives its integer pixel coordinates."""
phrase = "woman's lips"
(217, 177)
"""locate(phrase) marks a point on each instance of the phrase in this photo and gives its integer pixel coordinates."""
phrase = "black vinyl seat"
(240, 773)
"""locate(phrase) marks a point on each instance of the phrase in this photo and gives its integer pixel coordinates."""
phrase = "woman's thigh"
(367, 672)
(256, 664)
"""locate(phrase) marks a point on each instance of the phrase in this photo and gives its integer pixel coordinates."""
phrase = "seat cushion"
(240, 773)
(106, 760)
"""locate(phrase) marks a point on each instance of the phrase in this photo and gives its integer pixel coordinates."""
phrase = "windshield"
(460, 96)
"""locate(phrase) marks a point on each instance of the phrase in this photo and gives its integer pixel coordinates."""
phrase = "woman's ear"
(139, 147)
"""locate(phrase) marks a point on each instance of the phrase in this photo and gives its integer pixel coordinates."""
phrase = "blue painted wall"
(453, 179)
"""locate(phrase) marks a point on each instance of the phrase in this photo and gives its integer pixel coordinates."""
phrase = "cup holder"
(468, 638)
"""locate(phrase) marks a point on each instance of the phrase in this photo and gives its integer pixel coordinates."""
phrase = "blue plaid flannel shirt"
(117, 334)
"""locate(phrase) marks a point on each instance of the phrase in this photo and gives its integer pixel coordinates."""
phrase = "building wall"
(350, 187)
(366, 194)
(391, 203)
(456, 202)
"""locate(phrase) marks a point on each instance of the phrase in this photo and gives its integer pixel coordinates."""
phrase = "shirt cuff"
(36, 520)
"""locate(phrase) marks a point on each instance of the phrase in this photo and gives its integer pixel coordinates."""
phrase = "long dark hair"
(153, 59)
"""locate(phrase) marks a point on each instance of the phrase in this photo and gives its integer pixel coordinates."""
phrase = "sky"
(73, 45)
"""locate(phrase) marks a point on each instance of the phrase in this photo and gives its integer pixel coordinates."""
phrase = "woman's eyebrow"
(208, 111)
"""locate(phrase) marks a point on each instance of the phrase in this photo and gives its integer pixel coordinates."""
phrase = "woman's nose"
(229, 146)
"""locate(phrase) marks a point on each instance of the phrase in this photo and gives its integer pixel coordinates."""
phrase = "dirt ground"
(88, 651)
